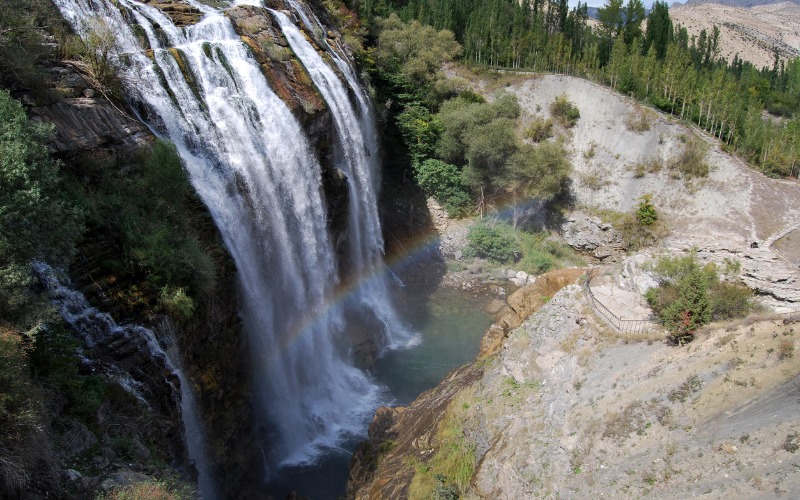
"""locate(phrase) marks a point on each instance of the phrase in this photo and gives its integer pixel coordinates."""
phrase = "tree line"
(752, 111)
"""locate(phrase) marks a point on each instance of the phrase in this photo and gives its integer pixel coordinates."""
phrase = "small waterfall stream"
(249, 160)
(94, 327)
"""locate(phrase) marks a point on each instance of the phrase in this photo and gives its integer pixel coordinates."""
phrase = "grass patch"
(686, 389)
(638, 120)
(540, 254)
(691, 163)
(448, 473)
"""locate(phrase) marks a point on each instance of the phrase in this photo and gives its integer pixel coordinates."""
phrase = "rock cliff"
(568, 409)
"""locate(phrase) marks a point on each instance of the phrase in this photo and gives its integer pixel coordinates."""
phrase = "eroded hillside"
(753, 33)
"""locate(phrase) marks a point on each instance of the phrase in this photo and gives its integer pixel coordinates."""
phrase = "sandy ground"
(750, 32)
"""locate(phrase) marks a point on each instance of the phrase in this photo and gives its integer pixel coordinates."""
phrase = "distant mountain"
(754, 33)
(739, 3)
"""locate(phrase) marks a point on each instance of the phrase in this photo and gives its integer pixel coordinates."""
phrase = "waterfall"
(250, 162)
(357, 157)
(98, 328)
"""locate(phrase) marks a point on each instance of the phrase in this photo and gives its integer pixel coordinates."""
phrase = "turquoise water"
(451, 323)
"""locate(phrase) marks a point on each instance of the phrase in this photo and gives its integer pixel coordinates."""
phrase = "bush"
(55, 361)
(691, 163)
(540, 254)
(730, 301)
(539, 129)
(496, 243)
(638, 120)
(21, 413)
(646, 213)
(689, 296)
(420, 130)
(445, 183)
(564, 111)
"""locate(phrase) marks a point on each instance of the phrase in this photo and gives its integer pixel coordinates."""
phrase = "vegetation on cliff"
(462, 148)
(690, 296)
(660, 65)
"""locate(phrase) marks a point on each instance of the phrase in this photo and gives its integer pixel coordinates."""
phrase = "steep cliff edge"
(568, 409)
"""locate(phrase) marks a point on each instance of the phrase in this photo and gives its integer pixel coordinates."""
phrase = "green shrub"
(494, 242)
(445, 183)
(539, 129)
(638, 120)
(420, 130)
(55, 361)
(176, 302)
(690, 295)
(540, 254)
(646, 213)
(22, 413)
(730, 300)
(564, 111)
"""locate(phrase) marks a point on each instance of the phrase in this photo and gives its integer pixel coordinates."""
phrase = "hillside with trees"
(751, 110)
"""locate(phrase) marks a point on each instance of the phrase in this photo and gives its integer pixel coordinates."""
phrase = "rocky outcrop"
(590, 234)
(380, 466)
(284, 72)
(180, 11)
(565, 410)
(84, 122)
(522, 304)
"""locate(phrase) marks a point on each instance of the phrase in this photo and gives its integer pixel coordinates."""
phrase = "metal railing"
(613, 321)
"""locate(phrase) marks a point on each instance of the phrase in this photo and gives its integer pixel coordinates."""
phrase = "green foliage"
(646, 212)
(24, 29)
(539, 129)
(540, 172)
(55, 360)
(564, 111)
(445, 183)
(420, 131)
(415, 50)
(21, 413)
(37, 221)
(164, 249)
(730, 300)
(540, 254)
(464, 121)
(176, 302)
(495, 242)
(690, 295)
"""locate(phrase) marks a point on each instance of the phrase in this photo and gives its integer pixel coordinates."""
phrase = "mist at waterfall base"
(451, 323)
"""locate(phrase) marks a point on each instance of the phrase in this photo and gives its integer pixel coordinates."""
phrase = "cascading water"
(248, 159)
(95, 327)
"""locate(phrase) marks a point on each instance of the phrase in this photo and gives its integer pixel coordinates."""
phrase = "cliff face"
(91, 134)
